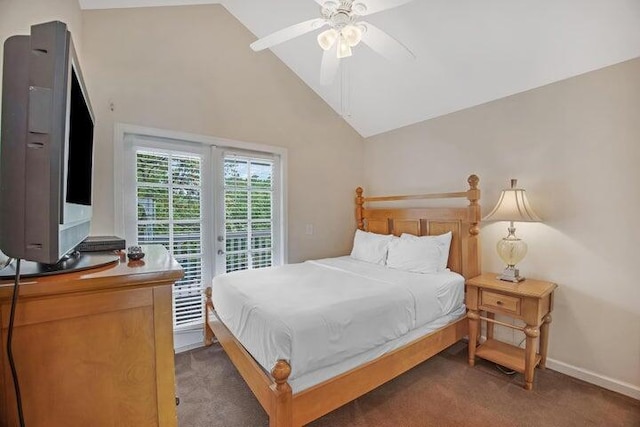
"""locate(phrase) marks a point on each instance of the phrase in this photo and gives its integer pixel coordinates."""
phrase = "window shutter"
(169, 198)
(249, 213)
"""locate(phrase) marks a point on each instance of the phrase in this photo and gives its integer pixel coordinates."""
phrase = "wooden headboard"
(463, 222)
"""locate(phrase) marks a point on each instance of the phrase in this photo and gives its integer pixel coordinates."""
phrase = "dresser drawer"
(500, 302)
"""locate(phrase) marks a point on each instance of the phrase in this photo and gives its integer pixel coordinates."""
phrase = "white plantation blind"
(169, 200)
(249, 216)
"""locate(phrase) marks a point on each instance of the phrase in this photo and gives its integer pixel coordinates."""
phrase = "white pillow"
(370, 247)
(415, 255)
(443, 241)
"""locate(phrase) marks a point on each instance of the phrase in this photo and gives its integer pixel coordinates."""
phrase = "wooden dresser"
(95, 347)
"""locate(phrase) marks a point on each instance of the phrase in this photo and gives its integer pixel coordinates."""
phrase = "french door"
(215, 209)
(249, 219)
(173, 207)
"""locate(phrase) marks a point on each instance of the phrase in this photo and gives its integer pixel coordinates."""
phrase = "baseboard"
(590, 377)
(189, 339)
(188, 347)
(594, 378)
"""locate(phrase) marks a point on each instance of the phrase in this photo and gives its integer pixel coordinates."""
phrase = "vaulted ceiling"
(468, 52)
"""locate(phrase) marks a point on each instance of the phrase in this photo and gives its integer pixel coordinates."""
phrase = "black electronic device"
(101, 244)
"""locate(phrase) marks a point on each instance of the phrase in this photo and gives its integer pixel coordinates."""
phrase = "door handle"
(220, 252)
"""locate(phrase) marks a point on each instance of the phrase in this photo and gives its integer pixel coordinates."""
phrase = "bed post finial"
(359, 208)
(473, 181)
(280, 373)
(281, 414)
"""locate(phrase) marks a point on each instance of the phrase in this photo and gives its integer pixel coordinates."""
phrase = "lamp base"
(511, 274)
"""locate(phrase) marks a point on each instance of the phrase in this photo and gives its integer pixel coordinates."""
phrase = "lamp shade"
(513, 205)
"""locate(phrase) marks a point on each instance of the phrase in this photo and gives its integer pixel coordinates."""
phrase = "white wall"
(17, 17)
(574, 146)
(190, 69)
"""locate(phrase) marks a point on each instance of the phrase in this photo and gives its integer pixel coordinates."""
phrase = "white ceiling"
(468, 51)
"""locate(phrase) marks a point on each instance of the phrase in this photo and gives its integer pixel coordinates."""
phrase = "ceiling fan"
(346, 31)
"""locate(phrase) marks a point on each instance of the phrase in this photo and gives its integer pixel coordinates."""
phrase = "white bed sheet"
(320, 375)
(320, 313)
(447, 285)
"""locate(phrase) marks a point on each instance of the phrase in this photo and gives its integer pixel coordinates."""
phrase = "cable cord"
(14, 373)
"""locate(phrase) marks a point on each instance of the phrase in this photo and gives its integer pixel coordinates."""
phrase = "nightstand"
(530, 301)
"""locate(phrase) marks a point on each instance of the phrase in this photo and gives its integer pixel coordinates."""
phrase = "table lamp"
(512, 206)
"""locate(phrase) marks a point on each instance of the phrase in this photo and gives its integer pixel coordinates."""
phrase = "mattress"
(318, 315)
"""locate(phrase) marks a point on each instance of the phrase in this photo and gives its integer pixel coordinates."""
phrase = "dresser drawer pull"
(499, 302)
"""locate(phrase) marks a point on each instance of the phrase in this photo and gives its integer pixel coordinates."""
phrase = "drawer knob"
(499, 302)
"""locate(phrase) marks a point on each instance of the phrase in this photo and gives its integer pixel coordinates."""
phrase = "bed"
(295, 373)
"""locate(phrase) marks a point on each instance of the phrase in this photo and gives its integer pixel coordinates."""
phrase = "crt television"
(46, 147)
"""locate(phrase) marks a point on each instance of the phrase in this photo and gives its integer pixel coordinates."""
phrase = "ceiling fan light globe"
(326, 39)
(352, 34)
(344, 50)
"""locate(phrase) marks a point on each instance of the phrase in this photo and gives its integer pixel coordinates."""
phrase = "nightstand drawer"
(500, 302)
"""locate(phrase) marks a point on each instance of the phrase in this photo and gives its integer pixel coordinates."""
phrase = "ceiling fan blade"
(384, 44)
(288, 33)
(375, 6)
(329, 67)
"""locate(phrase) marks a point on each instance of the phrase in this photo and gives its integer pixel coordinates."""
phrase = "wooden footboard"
(286, 409)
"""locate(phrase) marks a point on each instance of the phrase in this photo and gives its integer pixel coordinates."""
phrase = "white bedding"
(318, 314)
(312, 378)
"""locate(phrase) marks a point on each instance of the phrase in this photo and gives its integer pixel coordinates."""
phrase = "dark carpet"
(443, 391)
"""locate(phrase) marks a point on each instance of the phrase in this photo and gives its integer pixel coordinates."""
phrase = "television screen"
(80, 146)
